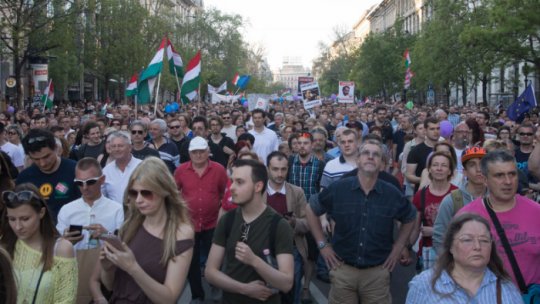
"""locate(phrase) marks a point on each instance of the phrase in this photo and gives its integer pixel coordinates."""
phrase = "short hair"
(347, 132)
(161, 123)
(255, 111)
(495, 156)
(370, 141)
(55, 129)
(218, 119)
(87, 163)
(416, 123)
(37, 139)
(120, 134)
(275, 154)
(258, 171)
(430, 120)
(89, 126)
(247, 136)
(16, 128)
(291, 138)
(200, 119)
(379, 108)
(528, 126)
(139, 123)
(319, 130)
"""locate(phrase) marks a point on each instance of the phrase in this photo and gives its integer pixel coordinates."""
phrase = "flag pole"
(136, 107)
(177, 81)
(47, 96)
(157, 95)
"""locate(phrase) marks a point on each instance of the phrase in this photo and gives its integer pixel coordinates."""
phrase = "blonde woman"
(152, 262)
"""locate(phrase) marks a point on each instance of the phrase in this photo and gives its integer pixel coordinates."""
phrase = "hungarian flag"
(408, 72)
(48, 96)
(235, 79)
(154, 68)
(190, 83)
(145, 89)
(176, 66)
(131, 89)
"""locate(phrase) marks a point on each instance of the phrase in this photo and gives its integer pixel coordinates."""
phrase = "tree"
(25, 25)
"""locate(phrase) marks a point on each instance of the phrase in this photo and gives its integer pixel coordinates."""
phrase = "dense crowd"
(107, 203)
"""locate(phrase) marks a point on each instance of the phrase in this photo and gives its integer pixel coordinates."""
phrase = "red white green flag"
(176, 66)
(154, 68)
(48, 96)
(192, 78)
(408, 72)
(131, 89)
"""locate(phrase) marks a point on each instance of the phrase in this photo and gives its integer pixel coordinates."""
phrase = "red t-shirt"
(431, 207)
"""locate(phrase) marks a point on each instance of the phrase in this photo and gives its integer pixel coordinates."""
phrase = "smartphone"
(288, 214)
(113, 240)
(78, 228)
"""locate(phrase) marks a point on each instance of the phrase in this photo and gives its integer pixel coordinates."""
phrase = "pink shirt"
(202, 193)
(522, 228)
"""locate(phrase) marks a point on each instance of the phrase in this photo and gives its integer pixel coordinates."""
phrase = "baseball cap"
(355, 124)
(474, 152)
(198, 143)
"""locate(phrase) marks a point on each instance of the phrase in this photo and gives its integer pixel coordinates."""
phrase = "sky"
(293, 27)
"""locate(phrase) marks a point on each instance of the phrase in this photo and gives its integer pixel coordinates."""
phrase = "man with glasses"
(176, 135)
(117, 172)
(51, 174)
(228, 128)
(200, 128)
(241, 239)
(140, 148)
(202, 183)
(225, 143)
(14, 152)
(167, 150)
(363, 251)
(517, 215)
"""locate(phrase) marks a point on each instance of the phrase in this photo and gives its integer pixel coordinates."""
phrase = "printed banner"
(311, 95)
(346, 92)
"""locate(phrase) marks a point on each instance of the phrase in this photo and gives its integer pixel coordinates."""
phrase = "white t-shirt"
(116, 181)
(14, 152)
(266, 142)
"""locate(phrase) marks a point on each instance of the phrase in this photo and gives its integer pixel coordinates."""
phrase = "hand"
(228, 150)
(392, 259)
(74, 236)
(106, 265)
(426, 231)
(330, 257)
(327, 228)
(405, 257)
(244, 254)
(257, 290)
(125, 259)
(292, 220)
(96, 230)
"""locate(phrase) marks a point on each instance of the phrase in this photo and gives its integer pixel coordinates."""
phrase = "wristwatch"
(322, 244)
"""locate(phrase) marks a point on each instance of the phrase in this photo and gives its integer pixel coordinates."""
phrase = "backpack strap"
(423, 205)
(457, 199)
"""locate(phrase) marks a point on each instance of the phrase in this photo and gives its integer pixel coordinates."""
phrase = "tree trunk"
(464, 90)
(484, 90)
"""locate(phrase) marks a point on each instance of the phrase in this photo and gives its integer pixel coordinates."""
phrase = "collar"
(489, 277)
(271, 191)
(342, 159)
(97, 202)
(355, 184)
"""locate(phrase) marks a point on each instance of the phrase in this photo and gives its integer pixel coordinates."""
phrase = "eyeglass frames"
(146, 194)
(88, 182)
(244, 232)
(12, 198)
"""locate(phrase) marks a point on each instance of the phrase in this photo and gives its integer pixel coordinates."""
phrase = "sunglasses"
(115, 123)
(11, 133)
(146, 194)
(88, 182)
(36, 139)
(526, 134)
(225, 117)
(245, 232)
(174, 127)
(140, 132)
(15, 198)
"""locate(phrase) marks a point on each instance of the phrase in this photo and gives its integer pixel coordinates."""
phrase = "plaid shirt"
(306, 176)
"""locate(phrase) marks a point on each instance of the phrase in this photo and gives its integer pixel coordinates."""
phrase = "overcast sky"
(293, 27)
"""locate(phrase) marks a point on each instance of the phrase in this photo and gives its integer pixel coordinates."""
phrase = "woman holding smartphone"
(152, 262)
(44, 263)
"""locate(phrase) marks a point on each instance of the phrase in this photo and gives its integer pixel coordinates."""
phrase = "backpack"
(286, 298)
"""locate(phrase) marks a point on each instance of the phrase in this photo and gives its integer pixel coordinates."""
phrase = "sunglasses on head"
(15, 198)
(244, 232)
(36, 139)
(141, 132)
(146, 194)
(88, 182)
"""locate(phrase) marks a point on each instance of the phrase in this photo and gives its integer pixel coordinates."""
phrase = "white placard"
(346, 92)
(311, 95)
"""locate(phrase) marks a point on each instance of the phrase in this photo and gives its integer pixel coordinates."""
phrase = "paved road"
(319, 290)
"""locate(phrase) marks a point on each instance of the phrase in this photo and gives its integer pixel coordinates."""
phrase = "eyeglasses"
(140, 132)
(468, 241)
(115, 123)
(88, 182)
(226, 117)
(526, 134)
(36, 139)
(12, 133)
(370, 154)
(245, 232)
(146, 194)
(174, 127)
(15, 198)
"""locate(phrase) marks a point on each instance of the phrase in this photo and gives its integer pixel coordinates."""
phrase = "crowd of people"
(112, 204)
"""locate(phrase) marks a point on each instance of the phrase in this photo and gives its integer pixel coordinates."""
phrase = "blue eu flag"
(525, 102)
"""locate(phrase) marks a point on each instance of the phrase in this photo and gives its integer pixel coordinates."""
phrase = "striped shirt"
(420, 290)
(168, 152)
(334, 170)
(306, 176)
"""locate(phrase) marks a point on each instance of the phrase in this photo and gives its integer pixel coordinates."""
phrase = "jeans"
(298, 274)
(203, 241)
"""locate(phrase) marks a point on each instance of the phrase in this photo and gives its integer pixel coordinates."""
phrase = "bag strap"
(506, 245)
(499, 296)
(423, 205)
(457, 200)
(38, 283)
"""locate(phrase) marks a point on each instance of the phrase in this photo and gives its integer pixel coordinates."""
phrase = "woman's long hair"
(445, 261)
(153, 174)
(48, 232)
(8, 287)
